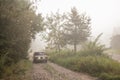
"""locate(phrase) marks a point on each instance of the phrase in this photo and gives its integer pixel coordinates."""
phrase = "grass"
(91, 59)
(17, 71)
(99, 66)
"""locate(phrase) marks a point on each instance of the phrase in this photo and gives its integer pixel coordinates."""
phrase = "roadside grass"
(90, 59)
(18, 71)
(100, 66)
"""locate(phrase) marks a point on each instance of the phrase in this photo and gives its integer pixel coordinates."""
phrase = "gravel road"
(51, 71)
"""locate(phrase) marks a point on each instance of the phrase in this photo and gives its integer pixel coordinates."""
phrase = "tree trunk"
(75, 47)
(59, 48)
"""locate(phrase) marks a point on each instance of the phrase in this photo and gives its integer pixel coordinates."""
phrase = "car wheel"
(45, 61)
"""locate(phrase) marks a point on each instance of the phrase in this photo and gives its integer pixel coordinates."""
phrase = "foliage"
(77, 28)
(90, 60)
(100, 66)
(54, 27)
(18, 25)
(105, 76)
(93, 47)
(68, 28)
(17, 71)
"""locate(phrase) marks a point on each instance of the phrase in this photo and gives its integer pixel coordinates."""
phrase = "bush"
(94, 65)
(105, 76)
(93, 47)
(89, 60)
(16, 71)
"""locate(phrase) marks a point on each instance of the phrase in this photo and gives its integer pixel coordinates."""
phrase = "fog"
(105, 15)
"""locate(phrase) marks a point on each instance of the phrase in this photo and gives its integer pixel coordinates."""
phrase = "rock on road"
(51, 71)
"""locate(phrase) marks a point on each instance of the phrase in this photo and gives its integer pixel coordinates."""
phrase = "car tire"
(45, 61)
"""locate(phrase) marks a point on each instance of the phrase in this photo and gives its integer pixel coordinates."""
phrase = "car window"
(39, 53)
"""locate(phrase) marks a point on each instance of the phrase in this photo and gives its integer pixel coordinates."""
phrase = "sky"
(104, 14)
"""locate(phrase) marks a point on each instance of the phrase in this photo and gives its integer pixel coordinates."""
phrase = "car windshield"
(39, 53)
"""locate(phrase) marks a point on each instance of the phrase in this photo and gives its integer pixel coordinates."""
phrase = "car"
(40, 57)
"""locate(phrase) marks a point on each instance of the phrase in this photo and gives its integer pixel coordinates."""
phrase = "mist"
(104, 16)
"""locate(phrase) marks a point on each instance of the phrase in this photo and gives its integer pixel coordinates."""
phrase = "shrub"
(16, 71)
(93, 47)
(90, 60)
(105, 76)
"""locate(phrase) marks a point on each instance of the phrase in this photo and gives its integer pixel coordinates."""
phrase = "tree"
(54, 25)
(18, 25)
(77, 28)
(115, 42)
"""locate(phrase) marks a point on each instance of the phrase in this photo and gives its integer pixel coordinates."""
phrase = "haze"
(105, 15)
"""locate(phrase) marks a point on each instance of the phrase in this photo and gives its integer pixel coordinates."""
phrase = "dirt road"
(51, 71)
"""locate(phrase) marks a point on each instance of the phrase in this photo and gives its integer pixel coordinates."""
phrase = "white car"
(40, 57)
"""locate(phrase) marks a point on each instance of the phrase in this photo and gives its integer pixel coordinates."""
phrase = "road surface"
(51, 71)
